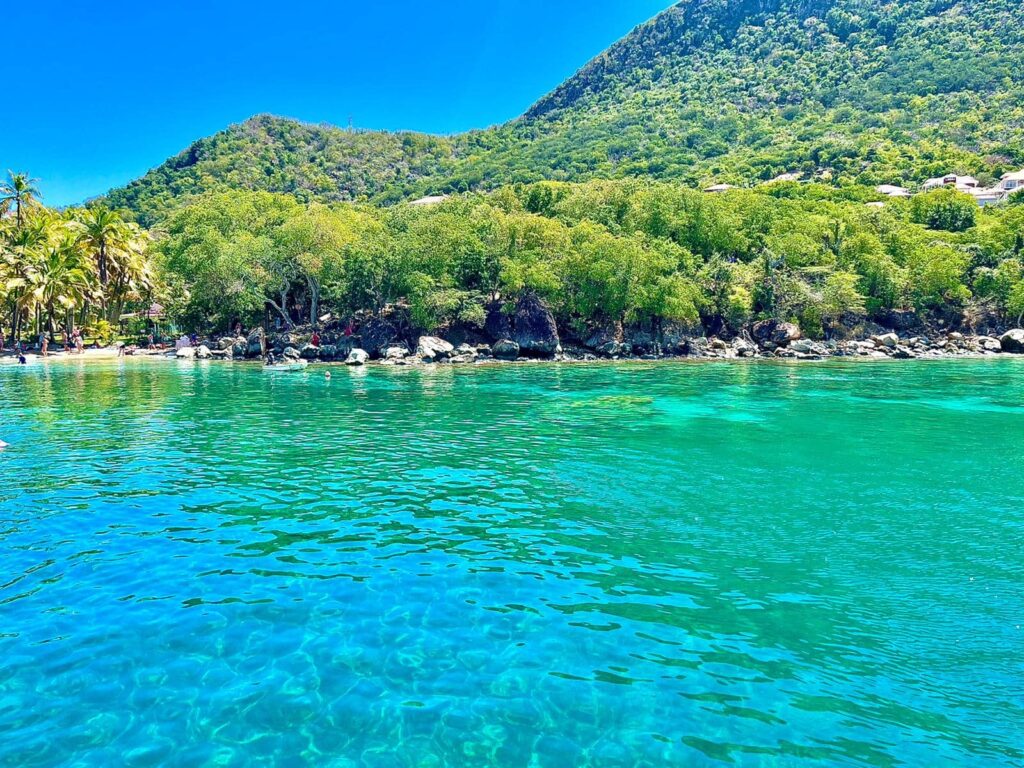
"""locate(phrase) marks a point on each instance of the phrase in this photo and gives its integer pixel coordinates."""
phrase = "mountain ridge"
(853, 91)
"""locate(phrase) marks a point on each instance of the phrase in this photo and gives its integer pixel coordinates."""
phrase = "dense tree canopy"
(600, 253)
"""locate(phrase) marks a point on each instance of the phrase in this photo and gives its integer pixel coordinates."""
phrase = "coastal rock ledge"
(1013, 341)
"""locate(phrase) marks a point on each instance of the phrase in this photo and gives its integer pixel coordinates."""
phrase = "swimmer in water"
(327, 375)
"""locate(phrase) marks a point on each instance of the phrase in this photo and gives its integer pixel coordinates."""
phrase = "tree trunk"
(314, 300)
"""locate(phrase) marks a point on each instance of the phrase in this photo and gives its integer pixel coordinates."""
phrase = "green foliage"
(600, 253)
(944, 209)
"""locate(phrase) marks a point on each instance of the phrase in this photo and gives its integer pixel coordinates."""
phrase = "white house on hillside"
(890, 190)
(962, 183)
(1012, 182)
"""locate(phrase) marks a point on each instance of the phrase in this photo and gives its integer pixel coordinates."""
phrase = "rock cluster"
(528, 330)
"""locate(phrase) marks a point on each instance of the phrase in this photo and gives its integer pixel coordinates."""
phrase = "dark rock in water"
(1013, 341)
(395, 352)
(535, 330)
(506, 349)
(309, 352)
(377, 334)
(328, 352)
(497, 326)
(641, 342)
(601, 337)
(903, 353)
(291, 353)
(778, 333)
(227, 342)
(613, 349)
(256, 344)
(240, 349)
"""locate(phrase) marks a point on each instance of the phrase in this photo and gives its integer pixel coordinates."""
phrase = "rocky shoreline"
(765, 341)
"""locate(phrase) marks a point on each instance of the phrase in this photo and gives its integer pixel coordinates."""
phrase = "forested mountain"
(850, 91)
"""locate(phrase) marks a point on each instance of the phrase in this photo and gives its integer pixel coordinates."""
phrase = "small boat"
(288, 367)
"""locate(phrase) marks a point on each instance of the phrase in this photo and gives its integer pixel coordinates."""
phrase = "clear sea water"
(535, 566)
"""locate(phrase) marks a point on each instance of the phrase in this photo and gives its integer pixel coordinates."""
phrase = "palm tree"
(62, 276)
(105, 231)
(20, 190)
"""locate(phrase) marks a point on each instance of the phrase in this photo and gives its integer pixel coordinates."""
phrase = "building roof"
(430, 200)
(720, 188)
(892, 190)
(951, 180)
(1015, 176)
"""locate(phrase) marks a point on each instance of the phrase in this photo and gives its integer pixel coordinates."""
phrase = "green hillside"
(850, 91)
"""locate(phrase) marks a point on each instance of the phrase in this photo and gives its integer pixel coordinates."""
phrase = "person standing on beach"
(2, 340)
(44, 343)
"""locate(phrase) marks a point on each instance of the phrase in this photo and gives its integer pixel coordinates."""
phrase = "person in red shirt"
(315, 341)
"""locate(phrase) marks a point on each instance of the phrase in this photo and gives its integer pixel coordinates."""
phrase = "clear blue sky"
(98, 93)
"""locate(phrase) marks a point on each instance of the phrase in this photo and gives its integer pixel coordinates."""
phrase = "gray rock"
(394, 353)
(239, 349)
(497, 326)
(613, 349)
(778, 333)
(256, 344)
(888, 340)
(291, 353)
(377, 334)
(204, 353)
(227, 342)
(186, 353)
(431, 349)
(903, 353)
(506, 349)
(309, 352)
(1013, 341)
(357, 357)
(535, 330)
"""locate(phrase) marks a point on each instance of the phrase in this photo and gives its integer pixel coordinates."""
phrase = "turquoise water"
(612, 565)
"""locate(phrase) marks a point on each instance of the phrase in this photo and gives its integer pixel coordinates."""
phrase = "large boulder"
(240, 348)
(256, 344)
(535, 330)
(328, 352)
(357, 357)
(887, 340)
(600, 337)
(775, 332)
(497, 325)
(431, 349)
(204, 353)
(613, 349)
(505, 349)
(1013, 341)
(377, 334)
(185, 353)
(291, 353)
(309, 352)
(227, 342)
(395, 352)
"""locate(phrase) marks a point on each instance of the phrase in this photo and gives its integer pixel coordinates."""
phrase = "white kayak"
(298, 365)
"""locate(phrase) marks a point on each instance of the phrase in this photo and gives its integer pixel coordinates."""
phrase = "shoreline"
(107, 356)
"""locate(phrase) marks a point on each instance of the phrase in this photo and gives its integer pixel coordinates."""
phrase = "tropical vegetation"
(65, 269)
